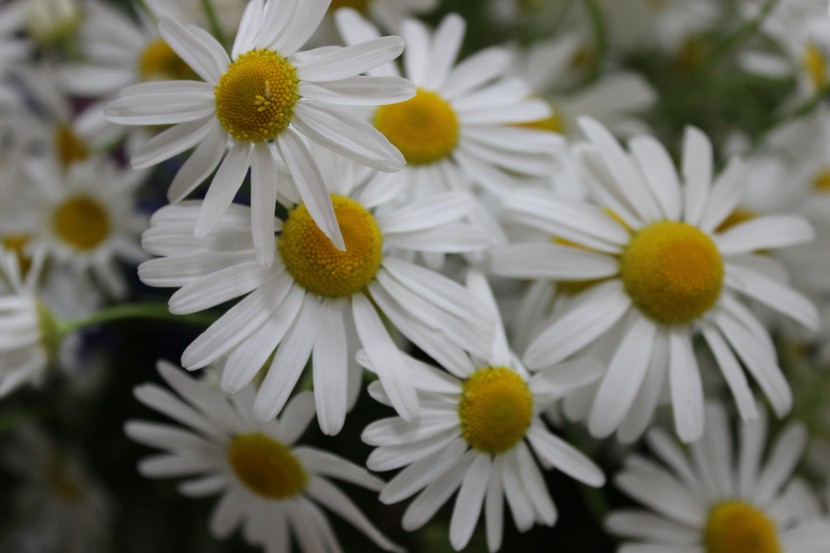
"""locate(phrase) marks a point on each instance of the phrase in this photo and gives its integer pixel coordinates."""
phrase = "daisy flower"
(257, 106)
(476, 432)
(388, 13)
(28, 330)
(51, 21)
(12, 48)
(460, 127)
(270, 487)
(59, 506)
(317, 301)
(712, 500)
(86, 217)
(659, 268)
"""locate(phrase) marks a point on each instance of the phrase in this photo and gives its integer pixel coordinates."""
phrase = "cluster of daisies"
(416, 266)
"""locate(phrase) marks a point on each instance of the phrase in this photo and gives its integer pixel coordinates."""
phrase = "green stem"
(744, 33)
(156, 311)
(600, 37)
(213, 19)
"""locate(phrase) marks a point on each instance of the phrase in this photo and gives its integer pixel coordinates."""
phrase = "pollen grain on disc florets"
(495, 409)
(424, 128)
(738, 527)
(267, 467)
(672, 271)
(317, 265)
(255, 98)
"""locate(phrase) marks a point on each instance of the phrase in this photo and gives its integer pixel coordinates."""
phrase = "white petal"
(223, 187)
(697, 170)
(686, 386)
(204, 55)
(263, 201)
(329, 359)
(469, 502)
(201, 163)
(359, 91)
(350, 60)
(764, 233)
(778, 296)
(563, 456)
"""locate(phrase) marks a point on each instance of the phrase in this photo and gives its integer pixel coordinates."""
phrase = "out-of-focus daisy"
(476, 431)
(713, 500)
(389, 14)
(49, 22)
(257, 106)
(12, 48)
(86, 217)
(269, 487)
(316, 300)
(29, 333)
(662, 273)
(460, 128)
(228, 12)
(58, 507)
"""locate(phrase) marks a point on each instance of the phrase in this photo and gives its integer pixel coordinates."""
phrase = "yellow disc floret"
(266, 466)
(158, 62)
(82, 222)
(424, 128)
(738, 527)
(255, 98)
(821, 182)
(672, 271)
(815, 65)
(495, 409)
(321, 268)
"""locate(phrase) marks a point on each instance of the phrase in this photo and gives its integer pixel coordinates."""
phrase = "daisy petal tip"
(330, 425)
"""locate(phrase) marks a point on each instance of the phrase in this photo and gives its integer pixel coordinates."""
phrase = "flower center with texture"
(815, 64)
(255, 98)
(359, 5)
(321, 268)
(737, 527)
(424, 128)
(672, 271)
(158, 62)
(266, 467)
(81, 222)
(495, 409)
(69, 147)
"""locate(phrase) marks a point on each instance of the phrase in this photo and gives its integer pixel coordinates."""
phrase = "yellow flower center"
(16, 243)
(359, 5)
(740, 215)
(158, 62)
(815, 64)
(69, 147)
(738, 527)
(255, 98)
(424, 128)
(495, 409)
(672, 271)
(321, 268)
(81, 222)
(821, 182)
(266, 467)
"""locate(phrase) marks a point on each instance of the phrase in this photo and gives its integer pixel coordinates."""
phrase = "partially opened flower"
(257, 106)
(717, 498)
(476, 433)
(316, 301)
(656, 268)
(270, 487)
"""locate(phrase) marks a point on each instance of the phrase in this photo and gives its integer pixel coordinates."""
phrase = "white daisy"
(269, 487)
(461, 127)
(257, 105)
(388, 13)
(59, 507)
(28, 330)
(712, 500)
(665, 274)
(474, 431)
(86, 217)
(49, 22)
(318, 301)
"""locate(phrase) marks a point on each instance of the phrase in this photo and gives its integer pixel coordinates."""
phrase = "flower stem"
(213, 19)
(600, 37)
(156, 311)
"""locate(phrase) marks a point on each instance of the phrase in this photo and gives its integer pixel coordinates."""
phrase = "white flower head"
(462, 126)
(659, 268)
(270, 487)
(714, 499)
(257, 105)
(476, 432)
(318, 301)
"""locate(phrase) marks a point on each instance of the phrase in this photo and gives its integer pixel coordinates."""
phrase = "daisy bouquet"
(414, 275)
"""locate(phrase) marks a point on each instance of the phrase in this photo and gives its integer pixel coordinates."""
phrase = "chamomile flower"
(316, 300)
(658, 269)
(86, 218)
(270, 487)
(49, 22)
(257, 106)
(716, 500)
(460, 129)
(28, 330)
(476, 432)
